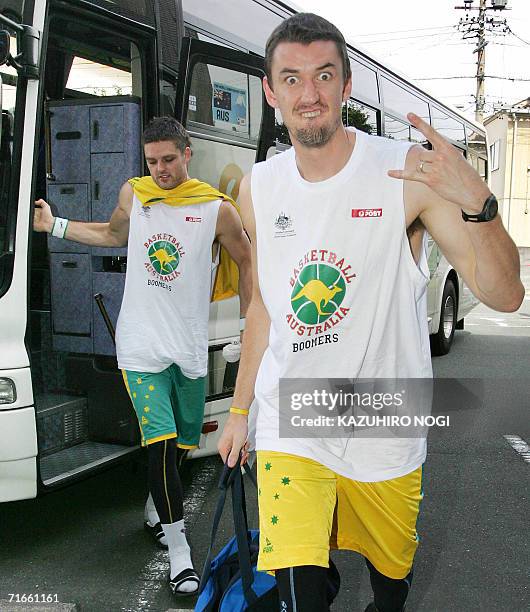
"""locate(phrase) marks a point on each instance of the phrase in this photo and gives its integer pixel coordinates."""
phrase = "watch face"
(491, 208)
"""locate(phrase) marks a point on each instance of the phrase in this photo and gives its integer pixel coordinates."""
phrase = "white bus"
(84, 76)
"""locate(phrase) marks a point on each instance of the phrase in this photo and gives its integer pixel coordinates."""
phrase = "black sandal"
(189, 574)
(157, 533)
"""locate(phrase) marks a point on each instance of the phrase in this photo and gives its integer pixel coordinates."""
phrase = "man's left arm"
(439, 184)
(231, 235)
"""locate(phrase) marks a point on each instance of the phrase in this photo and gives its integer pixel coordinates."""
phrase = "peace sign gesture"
(444, 170)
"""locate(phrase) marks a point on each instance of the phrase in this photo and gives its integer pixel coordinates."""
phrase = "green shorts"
(168, 405)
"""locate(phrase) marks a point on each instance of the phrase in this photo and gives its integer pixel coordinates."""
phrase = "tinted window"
(400, 101)
(364, 81)
(7, 124)
(359, 116)
(400, 130)
(226, 100)
(245, 20)
(141, 10)
(396, 129)
(446, 125)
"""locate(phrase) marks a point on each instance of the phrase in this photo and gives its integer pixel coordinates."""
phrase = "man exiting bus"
(170, 223)
(339, 291)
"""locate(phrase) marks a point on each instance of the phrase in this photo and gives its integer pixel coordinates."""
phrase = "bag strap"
(250, 475)
(226, 480)
(242, 537)
(229, 478)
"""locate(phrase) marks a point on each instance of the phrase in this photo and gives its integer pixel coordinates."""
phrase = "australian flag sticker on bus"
(362, 213)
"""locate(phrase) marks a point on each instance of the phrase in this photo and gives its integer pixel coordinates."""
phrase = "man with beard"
(343, 295)
(170, 223)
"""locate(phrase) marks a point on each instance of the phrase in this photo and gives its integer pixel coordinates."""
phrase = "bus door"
(19, 97)
(98, 85)
(221, 103)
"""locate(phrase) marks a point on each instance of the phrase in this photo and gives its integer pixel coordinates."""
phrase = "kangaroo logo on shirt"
(164, 257)
(164, 254)
(318, 293)
(320, 282)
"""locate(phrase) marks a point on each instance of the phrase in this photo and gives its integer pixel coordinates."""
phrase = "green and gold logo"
(318, 293)
(164, 257)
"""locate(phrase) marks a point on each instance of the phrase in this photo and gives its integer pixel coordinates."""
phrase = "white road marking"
(519, 446)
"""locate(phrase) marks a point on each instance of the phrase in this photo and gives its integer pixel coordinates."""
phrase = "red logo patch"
(366, 212)
(194, 219)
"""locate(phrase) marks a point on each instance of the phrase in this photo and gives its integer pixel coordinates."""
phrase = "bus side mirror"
(4, 46)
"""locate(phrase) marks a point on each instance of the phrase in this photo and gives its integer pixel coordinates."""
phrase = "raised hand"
(42, 217)
(444, 170)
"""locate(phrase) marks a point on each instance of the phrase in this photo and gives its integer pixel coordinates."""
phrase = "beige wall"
(515, 210)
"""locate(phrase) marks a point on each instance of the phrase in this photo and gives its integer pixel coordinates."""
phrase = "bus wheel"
(442, 340)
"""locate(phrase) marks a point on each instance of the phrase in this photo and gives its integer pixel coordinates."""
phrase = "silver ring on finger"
(421, 166)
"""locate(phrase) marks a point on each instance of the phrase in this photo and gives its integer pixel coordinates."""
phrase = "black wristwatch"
(488, 213)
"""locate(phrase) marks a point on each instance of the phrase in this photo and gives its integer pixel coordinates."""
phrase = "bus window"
(417, 137)
(281, 132)
(364, 81)
(251, 21)
(359, 116)
(95, 79)
(396, 129)
(400, 130)
(401, 101)
(167, 101)
(8, 98)
(447, 126)
(225, 100)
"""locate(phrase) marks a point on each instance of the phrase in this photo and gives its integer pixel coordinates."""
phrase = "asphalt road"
(86, 544)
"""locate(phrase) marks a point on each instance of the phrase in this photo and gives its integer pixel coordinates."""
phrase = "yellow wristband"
(234, 410)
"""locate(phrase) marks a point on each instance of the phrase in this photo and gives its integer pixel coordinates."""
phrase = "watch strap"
(482, 216)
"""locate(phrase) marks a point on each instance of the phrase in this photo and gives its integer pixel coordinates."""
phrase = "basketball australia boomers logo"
(319, 286)
(164, 253)
(164, 257)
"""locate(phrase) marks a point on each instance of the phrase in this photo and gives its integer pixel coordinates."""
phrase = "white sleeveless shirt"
(349, 231)
(166, 301)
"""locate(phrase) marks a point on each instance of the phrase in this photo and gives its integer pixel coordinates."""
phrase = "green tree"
(355, 117)
(351, 116)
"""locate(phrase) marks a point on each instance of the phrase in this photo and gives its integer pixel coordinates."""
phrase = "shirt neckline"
(342, 175)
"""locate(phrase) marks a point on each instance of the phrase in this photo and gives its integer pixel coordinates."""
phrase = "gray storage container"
(95, 148)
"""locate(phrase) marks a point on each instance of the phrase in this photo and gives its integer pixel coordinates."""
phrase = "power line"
(410, 30)
(510, 31)
(384, 40)
(486, 76)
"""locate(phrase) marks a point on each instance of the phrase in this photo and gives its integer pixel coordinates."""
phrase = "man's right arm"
(115, 233)
(255, 341)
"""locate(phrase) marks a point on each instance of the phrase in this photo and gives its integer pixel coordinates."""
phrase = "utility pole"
(481, 63)
(476, 28)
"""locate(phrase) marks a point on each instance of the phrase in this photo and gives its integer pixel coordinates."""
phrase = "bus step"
(70, 463)
(61, 421)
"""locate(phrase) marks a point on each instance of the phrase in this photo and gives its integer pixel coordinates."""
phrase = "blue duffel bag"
(230, 582)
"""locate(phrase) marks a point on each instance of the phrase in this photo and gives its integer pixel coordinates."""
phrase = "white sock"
(150, 513)
(151, 516)
(179, 553)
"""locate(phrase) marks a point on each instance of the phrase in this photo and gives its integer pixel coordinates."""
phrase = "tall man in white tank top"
(162, 330)
(338, 293)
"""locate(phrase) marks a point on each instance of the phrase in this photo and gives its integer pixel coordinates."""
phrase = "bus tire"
(442, 340)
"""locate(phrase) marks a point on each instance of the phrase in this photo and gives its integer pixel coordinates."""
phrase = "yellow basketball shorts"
(306, 509)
